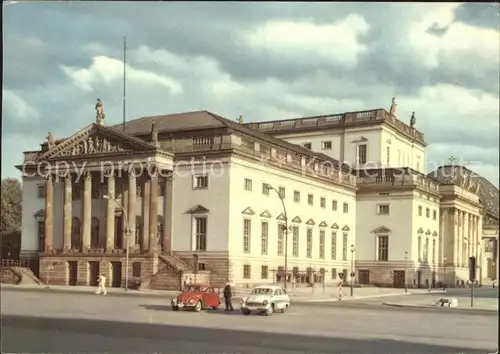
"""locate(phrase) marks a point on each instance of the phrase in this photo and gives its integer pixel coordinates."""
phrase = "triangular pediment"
(434, 233)
(198, 209)
(335, 226)
(381, 230)
(265, 214)
(323, 224)
(428, 232)
(248, 211)
(346, 228)
(360, 139)
(281, 217)
(310, 222)
(96, 140)
(40, 213)
(420, 231)
(297, 220)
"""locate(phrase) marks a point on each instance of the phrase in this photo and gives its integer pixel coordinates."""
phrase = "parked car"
(197, 297)
(265, 299)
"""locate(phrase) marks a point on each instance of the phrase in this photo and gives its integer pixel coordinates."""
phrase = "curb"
(450, 309)
(42, 289)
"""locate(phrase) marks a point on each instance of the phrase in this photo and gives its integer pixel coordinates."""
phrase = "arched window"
(76, 234)
(94, 233)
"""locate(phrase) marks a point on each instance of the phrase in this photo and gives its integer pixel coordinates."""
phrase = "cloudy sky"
(262, 60)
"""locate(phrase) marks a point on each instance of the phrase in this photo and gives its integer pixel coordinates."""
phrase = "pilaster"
(132, 193)
(49, 213)
(87, 211)
(68, 212)
(110, 213)
(153, 212)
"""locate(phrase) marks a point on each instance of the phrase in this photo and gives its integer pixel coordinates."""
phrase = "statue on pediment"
(413, 120)
(394, 105)
(51, 140)
(99, 112)
(240, 119)
(154, 132)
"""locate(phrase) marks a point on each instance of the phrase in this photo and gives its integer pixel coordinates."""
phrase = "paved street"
(71, 322)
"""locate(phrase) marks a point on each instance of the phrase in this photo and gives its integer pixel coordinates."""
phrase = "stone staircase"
(19, 276)
(170, 274)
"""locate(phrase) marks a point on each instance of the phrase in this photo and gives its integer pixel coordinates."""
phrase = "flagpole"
(124, 77)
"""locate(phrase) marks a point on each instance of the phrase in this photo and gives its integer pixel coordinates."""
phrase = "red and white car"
(197, 297)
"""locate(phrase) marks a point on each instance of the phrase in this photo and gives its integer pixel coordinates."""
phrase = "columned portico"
(153, 212)
(110, 214)
(49, 214)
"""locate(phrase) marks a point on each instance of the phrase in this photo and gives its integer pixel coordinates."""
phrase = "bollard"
(340, 292)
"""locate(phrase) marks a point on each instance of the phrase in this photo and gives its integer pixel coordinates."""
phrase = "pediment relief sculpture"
(93, 145)
(310, 222)
(420, 231)
(281, 217)
(265, 214)
(248, 211)
(381, 230)
(297, 220)
(335, 226)
(346, 228)
(323, 224)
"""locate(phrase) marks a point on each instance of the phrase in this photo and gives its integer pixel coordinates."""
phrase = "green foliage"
(11, 205)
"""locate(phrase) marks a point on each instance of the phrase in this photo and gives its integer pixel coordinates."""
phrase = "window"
(41, 235)
(296, 196)
(265, 189)
(346, 208)
(295, 241)
(200, 182)
(246, 271)
(310, 199)
(248, 184)
(281, 236)
(434, 214)
(326, 145)
(282, 192)
(202, 266)
(307, 145)
(334, 273)
(334, 205)
(383, 248)
(322, 202)
(383, 209)
(42, 192)
(322, 244)
(264, 236)
(433, 251)
(388, 156)
(334, 245)
(247, 232)
(136, 269)
(362, 154)
(309, 243)
(201, 233)
(264, 272)
(419, 249)
(427, 213)
(344, 246)
(419, 210)
(426, 250)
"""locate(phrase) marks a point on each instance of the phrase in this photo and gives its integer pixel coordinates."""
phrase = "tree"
(11, 205)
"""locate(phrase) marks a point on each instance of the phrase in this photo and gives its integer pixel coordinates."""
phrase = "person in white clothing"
(101, 288)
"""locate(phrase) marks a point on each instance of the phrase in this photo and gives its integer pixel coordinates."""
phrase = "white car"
(265, 299)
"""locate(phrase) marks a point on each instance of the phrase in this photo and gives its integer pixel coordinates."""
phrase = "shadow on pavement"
(83, 335)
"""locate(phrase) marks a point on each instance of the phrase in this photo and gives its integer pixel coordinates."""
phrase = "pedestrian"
(228, 294)
(101, 287)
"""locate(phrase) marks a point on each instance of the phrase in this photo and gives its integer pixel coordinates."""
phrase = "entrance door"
(73, 272)
(419, 278)
(364, 276)
(399, 279)
(117, 274)
(94, 273)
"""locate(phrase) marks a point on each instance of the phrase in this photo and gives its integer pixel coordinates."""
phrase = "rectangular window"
(322, 202)
(296, 196)
(362, 154)
(433, 251)
(247, 232)
(248, 184)
(201, 233)
(282, 192)
(427, 213)
(41, 235)
(264, 272)
(346, 208)
(419, 210)
(42, 192)
(426, 250)
(434, 214)
(334, 245)
(264, 236)
(202, 266)
(200, 182)
(388, 156)
(310, 199)
(344, 246)
(247, 271)
(322, 244)
(265, 189)
(326, 145)
(420, 249)
(309, 243)
(334, 205)
(281, 239)
(295, 241)
(383, 209)
(307, 145)
(383, 248)
(334, 273)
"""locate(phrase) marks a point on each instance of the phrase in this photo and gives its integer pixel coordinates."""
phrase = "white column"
(456, 237)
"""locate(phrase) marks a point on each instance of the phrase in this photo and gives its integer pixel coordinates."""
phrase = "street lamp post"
(352, 270)
(406, 271)
(127, 235)
(444, 273)
(285, 230)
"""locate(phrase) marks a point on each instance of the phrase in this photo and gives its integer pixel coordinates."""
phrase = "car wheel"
(215, 307)
(246, 312)
(175, 308)
(198, 306)
(270, 311)
(283, 310)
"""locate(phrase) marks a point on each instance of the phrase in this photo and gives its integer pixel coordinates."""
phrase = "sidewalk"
(480, 304)
(301, 295)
